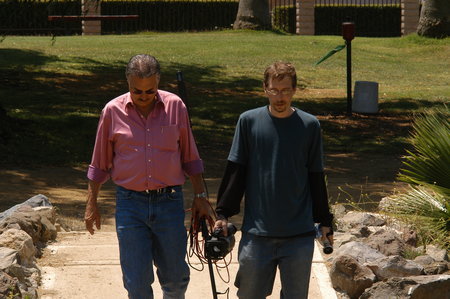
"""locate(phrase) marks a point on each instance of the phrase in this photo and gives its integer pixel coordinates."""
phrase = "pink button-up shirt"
(144, 154)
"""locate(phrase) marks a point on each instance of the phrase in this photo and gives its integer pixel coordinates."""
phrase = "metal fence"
(374, 18)
(371, 17)
(29, 17)
(189, 15)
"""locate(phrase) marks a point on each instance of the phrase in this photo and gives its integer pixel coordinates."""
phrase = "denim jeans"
(259, 258)
(150, 229)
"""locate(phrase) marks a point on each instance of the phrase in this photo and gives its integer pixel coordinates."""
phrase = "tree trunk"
(434, 18)
(253, 14)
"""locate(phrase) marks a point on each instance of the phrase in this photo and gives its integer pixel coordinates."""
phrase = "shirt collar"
(159, 100)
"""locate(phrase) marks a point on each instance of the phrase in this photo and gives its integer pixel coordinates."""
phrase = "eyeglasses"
(275, 92)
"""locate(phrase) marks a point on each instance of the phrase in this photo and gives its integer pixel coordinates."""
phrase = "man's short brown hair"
(278, 71)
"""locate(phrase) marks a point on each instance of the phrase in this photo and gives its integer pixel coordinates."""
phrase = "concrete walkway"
(79, 265)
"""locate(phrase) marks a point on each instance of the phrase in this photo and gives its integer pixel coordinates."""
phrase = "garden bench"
(93, 17)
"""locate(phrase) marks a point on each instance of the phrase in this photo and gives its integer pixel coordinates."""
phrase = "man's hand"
(201, 209)
(327, 234)
(221, 223)
(91, 216)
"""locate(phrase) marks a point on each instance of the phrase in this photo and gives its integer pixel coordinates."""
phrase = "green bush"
(284, 19)
(426, 206)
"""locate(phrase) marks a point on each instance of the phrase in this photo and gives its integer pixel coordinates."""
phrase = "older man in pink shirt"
(145, 145)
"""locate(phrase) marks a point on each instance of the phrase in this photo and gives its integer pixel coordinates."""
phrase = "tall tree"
(434, 18)
(253, 14)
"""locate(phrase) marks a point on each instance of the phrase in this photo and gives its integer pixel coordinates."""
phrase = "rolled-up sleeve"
(190, 158)
(101, 163)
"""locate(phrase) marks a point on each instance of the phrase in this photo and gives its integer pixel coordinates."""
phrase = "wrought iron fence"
(371, 17)
(29, 17)
(190, 15)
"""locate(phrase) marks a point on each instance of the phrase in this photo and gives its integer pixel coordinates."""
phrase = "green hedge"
(169, 16)
(369, 20)
(30, 17)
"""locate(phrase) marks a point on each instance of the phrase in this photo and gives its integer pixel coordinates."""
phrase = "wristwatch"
(200, 195)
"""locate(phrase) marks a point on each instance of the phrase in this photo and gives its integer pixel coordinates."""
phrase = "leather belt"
(168, 189)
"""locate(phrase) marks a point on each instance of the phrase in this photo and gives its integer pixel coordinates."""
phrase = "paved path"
(79, 265)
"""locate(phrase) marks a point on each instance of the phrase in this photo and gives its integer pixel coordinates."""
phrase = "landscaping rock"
(35, 201)
(358, 219)
(48, 230)
(414, 287)
(23, 228)
(410, 237)
(22, 243)
(9, 286)
(361, 252)
(439, 255)
(8, 257)
(28, 220)
(339, 211)
(424, 260)
(28, 279)
(436, 268)
(350, 276)
(387, 242)
(361, 232)
(341, 238)
(48, 212)
(394, 266)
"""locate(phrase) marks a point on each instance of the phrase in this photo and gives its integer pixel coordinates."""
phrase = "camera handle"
(206, 237)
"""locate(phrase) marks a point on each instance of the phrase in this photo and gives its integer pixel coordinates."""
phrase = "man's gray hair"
(143, 66)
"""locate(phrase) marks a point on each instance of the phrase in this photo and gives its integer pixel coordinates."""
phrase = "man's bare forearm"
(197, 183)
(92, 215)
(93, 191)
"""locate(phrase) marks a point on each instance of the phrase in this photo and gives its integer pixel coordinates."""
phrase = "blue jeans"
(259, 258)
(150, 229)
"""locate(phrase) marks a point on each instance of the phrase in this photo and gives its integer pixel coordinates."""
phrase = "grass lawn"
(54, 90)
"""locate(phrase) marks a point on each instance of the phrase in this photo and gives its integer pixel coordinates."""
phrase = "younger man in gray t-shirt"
(276, 160)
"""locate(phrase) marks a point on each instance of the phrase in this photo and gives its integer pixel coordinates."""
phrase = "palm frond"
(429, 164)
(427, 211)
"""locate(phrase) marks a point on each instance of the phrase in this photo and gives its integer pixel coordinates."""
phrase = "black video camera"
(218, 246)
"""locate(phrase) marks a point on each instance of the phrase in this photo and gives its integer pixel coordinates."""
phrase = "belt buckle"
(148, 191)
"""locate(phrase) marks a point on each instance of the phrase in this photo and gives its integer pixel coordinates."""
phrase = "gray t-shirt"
(278, 154)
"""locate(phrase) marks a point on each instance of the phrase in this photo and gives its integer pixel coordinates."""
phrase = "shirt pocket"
(167, 138)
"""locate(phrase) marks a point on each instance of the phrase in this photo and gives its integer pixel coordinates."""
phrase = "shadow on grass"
(52, 115)
(52, 120)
